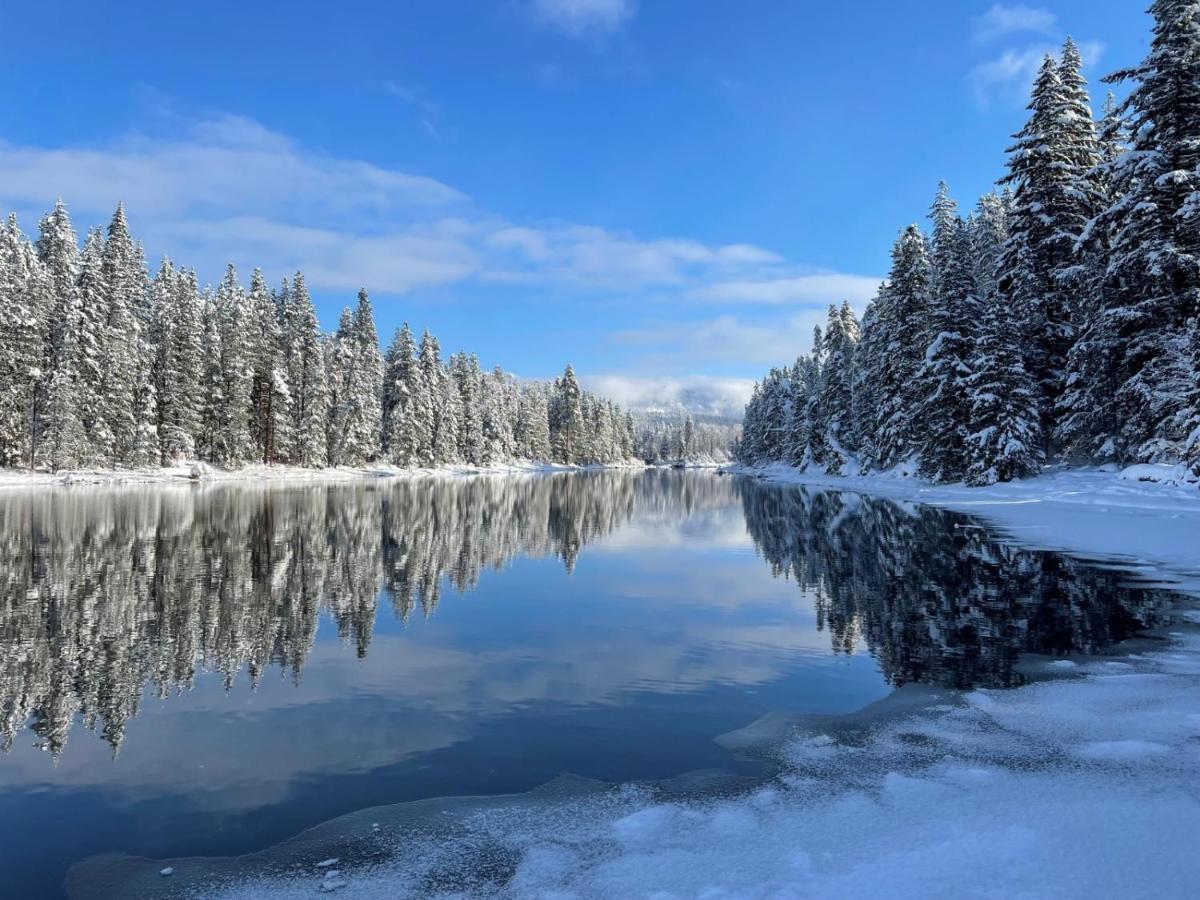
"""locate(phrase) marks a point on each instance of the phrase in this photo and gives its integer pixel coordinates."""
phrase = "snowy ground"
(191, 472)
(1081, 784)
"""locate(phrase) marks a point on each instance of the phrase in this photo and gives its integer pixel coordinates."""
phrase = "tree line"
(102, 365)
(664, 438)
(1057, 321)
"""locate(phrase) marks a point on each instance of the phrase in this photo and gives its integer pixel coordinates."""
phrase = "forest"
(1056, 322)
(104, 366)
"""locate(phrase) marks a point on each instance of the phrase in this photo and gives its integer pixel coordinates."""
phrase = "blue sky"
(667, 193)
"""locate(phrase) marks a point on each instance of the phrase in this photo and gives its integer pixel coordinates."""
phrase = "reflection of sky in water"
(668, 632)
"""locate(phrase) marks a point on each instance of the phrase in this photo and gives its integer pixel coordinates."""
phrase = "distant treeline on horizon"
(102, 365)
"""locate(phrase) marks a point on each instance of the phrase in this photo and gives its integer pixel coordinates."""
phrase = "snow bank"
(1079, 785)
(199, 471)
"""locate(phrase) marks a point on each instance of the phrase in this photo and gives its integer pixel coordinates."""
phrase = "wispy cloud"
(224, 189)
(1007, 78)
(821, 288)
(726, 339)
(584, 18)
(427, 112)
(1002, 20)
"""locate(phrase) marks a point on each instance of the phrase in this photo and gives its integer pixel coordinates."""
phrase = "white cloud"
(727, 339)
(706, 394)
(1008, 77)
(803, 289)
(584, 18)
(214, 163)
(1001, 20)
(227, 189)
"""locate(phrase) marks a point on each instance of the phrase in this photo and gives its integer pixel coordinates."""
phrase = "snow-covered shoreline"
(1145, 518)
(189, 473)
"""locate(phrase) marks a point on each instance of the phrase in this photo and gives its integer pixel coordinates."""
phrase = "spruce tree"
(234, 445)
(270, 391)
(366, 386)
(92, 348)
(943, 405)
(901, 311)
(566, 418)
(306, 377)
(1140, 332)
(62, 444)
(410, 416)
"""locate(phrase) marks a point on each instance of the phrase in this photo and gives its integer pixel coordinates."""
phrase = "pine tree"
(62, 444)
(1005, 440)
(233, 446)
(179, 363)
(26, 292)
(92, 348)
(532, 432)
(464, 370)
(306, 378)
(270, 392)
(900, 312)
(830, 414)
(366, 386)
(1051, 168)
(497, 419)
(210, 444)
(124, 284)
(340, 358)
(1140, 331)
(566, 418)
(943, 403)
(409, 416)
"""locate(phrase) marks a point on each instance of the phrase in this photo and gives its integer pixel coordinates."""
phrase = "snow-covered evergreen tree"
(62, 443)
(467, 377)
(233, 444)
(366, 387)
(444, 404)
(270, 392)
(497, 420)
(1140, 330)
(125, 373)
(943, 405)
(306, 377)
(566, 418)
(409, 416)
(532, 431)
(900, 311)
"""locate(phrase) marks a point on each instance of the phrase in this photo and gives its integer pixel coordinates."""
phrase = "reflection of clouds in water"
(240, 750)
(704, 531)
(117, 592)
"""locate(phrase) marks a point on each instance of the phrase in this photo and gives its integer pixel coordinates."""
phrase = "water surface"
(210, 669)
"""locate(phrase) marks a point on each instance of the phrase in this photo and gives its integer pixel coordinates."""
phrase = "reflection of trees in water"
(934, 599)
(102, 593)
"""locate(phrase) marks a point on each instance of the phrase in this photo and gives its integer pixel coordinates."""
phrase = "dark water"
(209, 670)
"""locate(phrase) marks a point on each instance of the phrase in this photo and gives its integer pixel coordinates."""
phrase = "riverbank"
(201, 473)
(1146, 518)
